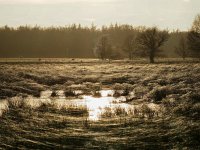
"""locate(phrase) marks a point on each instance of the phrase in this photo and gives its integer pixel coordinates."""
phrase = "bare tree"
(130, 46)
(194, 37)
(182, 48)
(150, 41)
(103, 48)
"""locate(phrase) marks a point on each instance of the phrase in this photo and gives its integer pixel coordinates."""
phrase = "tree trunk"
(130, 56)
(151, 57)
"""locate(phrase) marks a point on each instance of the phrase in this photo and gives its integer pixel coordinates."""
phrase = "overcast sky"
(170, 14)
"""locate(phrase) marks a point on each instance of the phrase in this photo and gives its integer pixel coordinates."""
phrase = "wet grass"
(141, 111)
(23, 128)
(174, 86)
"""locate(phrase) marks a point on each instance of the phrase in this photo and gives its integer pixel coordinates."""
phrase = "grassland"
(174, 86)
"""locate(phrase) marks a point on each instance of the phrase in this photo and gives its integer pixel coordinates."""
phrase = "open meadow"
(90, 104)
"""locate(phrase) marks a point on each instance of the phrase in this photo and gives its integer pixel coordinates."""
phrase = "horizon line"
(98, 27)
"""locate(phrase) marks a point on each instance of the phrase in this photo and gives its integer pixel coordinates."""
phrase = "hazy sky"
(170, 14)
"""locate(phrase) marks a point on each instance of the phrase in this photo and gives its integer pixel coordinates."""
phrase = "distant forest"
(72, 41)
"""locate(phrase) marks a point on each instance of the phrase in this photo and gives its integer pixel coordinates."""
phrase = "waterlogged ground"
(97, 107)
(101, 105)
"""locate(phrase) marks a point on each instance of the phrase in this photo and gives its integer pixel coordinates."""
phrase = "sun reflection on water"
(96, 105)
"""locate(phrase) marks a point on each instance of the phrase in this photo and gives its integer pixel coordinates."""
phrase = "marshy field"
(91, 104)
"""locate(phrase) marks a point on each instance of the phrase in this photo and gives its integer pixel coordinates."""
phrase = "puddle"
(96, 105)
(107, 93)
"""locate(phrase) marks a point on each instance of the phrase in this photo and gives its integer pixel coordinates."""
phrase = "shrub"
(125, 92)
(96, 94)
(194, 98)
(116, 94)
(69, 93)
(119, 111)
(189, 107)
(4, 93)
(158, 94)
(54, 94)
(107, 113)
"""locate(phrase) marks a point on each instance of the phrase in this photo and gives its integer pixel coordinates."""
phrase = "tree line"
(109, 42)
(149, 42)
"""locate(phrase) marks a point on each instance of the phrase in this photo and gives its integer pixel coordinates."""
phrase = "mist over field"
(73, 41)
(100, 74)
